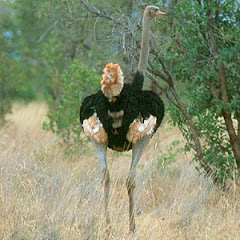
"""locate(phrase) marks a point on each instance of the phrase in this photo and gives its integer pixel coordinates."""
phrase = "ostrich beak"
(160, 13)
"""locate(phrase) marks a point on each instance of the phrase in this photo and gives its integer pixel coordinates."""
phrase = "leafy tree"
(19, 71)
(203, 58)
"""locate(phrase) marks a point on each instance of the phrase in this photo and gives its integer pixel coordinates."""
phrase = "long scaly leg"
(101, 150)
(137, 152)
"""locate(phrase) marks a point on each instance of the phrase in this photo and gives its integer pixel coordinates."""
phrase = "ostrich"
(123, 116)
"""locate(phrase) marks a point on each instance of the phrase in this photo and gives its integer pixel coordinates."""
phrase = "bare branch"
(97, 13)
(42, 37)
(156, 72)
(165, 69)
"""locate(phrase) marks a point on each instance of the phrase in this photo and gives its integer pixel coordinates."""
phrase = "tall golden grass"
(48, 192)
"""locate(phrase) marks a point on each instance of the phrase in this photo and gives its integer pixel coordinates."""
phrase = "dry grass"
(48, 194)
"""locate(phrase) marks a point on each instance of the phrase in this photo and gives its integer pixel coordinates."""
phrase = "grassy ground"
(49, 192)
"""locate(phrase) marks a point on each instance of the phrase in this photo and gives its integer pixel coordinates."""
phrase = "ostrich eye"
(155, 10)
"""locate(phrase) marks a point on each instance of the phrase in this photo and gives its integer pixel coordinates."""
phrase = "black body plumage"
(136, 104)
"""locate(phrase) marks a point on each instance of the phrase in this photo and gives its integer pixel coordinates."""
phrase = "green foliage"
(8, 68)
(77, 83)
(171, 156)
(193, 63)
(19, 69)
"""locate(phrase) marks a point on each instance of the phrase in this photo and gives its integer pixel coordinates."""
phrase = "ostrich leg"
(101, 150)
(137, 152)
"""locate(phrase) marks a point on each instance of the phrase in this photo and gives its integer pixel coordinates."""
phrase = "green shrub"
(76, 83)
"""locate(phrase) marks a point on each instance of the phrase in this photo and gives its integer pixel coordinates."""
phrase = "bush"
(76, 83)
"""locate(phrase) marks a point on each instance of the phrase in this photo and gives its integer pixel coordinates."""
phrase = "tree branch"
(97, 13)
(177, 102)
(165, 69)
(211, 27)
(49, 29)
(213, 90)
(234, 140)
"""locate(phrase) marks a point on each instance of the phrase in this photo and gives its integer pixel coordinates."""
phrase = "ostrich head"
(153, 11)
(112, 80)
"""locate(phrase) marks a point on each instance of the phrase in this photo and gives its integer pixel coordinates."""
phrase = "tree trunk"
(234, 140)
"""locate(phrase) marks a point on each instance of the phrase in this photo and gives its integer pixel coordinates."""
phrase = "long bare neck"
(144, 52)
